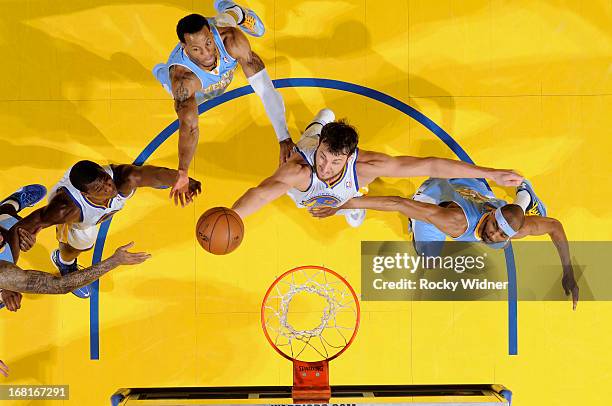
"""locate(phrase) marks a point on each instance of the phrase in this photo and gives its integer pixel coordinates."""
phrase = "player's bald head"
(514, 215)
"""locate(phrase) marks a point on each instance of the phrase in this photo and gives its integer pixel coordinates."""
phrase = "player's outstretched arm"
(536, 225)
(60, 210)
(16, 279)
(372, 165)
(133, 176)
(253, 67)
(287, 176)
(445, 220)
(12, 300)
(184, 87)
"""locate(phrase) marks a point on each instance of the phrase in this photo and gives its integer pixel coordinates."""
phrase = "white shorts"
(78, 238)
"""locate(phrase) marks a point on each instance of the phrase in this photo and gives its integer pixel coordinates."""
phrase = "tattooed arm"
(184, 87)
(16, 279)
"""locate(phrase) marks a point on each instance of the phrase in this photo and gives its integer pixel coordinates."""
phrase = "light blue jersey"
(474, 198)
(6, 222)
(213, 82)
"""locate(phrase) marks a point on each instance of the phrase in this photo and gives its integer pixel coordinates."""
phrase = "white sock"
(237, 12)
(523, 199)
(12, 203)
(65, 262)
(313, 130)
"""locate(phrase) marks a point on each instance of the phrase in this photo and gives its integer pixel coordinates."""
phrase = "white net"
(310, 314)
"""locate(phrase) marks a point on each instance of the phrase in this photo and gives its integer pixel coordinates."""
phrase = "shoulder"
(62, 207)
(537, 225)
(294, 171)
(371, 158)
(63, 200)
(365, 156)
(184, 82)
(450, 220)
(235, 42)
(455, 216)
(181, 72)
(368, 162)
(126, 176)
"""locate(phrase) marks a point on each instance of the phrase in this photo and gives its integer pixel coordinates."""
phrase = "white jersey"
(91, 213)
(321, 193)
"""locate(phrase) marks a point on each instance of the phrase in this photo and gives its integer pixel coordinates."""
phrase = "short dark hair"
(190, 24)
(340, 137)
(84, 173)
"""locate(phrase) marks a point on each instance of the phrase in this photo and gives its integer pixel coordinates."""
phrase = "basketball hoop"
(321, 325)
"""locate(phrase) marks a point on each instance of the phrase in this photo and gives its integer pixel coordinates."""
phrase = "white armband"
(272, 101)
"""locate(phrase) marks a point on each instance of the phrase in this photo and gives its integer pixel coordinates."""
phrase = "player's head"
(337, 142)
(93, 181)
(197, 40)
(502, 224)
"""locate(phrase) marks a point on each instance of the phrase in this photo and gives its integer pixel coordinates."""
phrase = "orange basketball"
(219, 230)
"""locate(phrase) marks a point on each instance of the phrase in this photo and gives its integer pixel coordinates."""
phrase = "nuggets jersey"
(214, 82)
(472, 195)
(320, 193)
(91, 213)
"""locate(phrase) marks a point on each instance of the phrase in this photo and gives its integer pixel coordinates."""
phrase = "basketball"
(219, 230)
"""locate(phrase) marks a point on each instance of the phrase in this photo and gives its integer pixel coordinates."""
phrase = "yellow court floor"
(521, 84)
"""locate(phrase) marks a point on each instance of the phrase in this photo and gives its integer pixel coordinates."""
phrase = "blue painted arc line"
(512, 300)
(94, 325)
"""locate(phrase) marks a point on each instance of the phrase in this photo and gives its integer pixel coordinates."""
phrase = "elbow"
(396, 201)
(433, 166)
(255, 194)
(557, 232)
(189, 127)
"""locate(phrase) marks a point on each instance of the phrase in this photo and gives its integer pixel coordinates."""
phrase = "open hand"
(507, 177)
(322, 212)
(26, 239)
(123, 257)
(12, 300)
(195, 188)
(185, 189)
(570, 286)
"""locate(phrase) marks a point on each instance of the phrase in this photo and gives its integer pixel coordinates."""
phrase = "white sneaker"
(355, 217)
(324, 116)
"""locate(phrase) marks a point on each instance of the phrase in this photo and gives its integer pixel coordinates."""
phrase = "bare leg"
(68, 254)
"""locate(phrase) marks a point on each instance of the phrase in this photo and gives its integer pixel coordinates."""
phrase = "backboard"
(389, 395)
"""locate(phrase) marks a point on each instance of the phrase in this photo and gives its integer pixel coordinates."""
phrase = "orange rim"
(299, 268)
